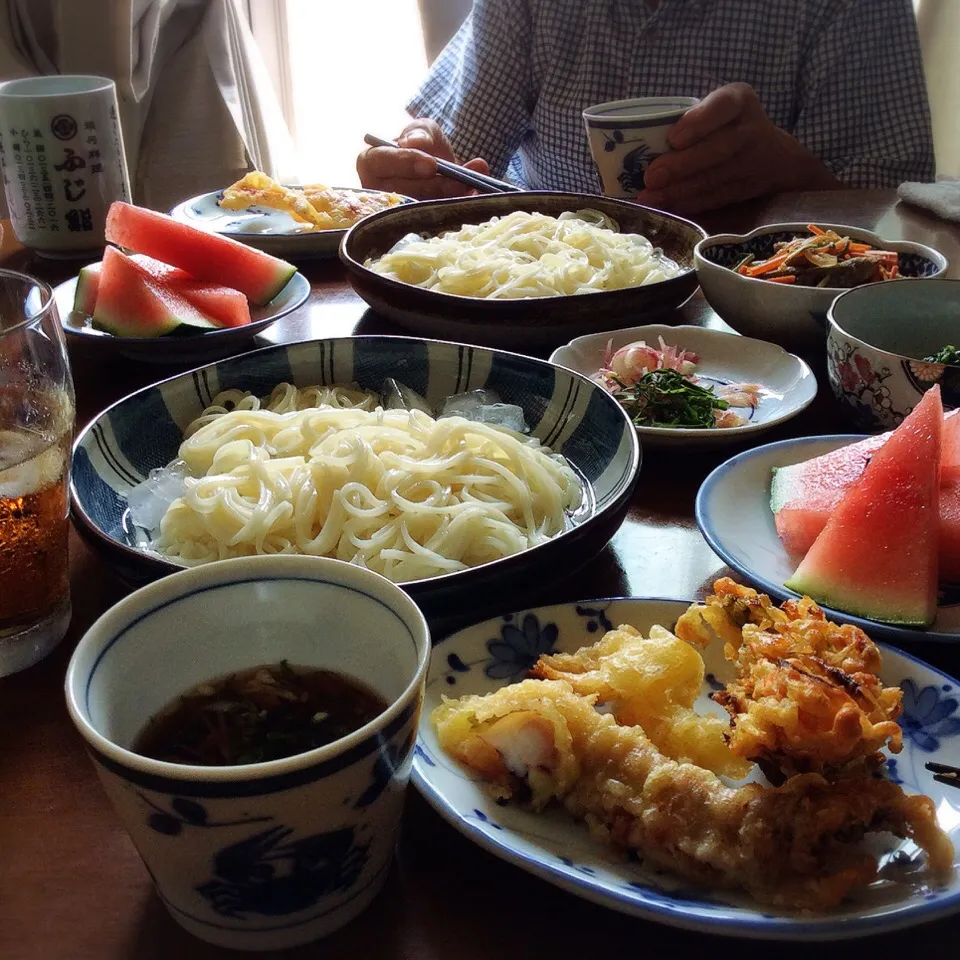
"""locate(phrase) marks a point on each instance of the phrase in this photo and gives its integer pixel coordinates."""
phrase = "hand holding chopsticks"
(386, 170)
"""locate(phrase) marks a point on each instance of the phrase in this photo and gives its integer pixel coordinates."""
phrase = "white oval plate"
(556, 848)
(272, 231)
(734, 516)
(724, 358)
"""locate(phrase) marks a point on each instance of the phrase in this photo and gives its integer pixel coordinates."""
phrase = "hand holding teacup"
(688, 156)
(725, 150)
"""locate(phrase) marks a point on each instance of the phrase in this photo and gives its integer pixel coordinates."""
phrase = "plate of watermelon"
(178, 294)
(868, 526)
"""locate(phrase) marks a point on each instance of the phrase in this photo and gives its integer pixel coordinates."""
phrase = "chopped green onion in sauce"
(265, 713)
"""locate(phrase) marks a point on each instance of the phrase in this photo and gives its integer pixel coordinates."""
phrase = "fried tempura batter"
(807, 696)
(652, 682)
(318, 206)
(792, 846)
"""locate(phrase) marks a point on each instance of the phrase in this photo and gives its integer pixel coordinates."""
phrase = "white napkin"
(941, 198)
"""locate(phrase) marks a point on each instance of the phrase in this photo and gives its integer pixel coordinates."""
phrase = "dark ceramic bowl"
(524, 323)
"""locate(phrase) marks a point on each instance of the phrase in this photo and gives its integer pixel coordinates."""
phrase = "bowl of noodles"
(521, 270)
(458, 472)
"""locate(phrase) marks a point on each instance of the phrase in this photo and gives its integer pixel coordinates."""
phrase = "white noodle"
(528, 255)
(327, 472)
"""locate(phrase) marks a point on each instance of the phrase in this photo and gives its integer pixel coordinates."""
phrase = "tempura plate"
(558, 849)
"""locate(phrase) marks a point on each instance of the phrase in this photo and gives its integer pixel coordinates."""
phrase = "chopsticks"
(944, 773)
(479, 181)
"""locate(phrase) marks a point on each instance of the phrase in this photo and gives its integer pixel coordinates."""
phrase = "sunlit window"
(353, 65)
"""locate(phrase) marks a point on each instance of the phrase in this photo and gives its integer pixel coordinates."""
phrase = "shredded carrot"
(817, 231)
(767, 266)
(786, 278)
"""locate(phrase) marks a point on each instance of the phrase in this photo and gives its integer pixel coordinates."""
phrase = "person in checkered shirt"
(796, 94)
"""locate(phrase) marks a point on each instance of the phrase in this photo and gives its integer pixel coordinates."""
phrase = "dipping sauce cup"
(267, 855)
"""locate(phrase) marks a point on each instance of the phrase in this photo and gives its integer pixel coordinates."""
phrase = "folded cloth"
(941, 198)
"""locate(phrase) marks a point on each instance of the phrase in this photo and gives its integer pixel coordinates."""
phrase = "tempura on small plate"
(611, 733)
(316, 206)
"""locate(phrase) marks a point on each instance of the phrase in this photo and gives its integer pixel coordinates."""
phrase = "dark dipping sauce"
(265, 713)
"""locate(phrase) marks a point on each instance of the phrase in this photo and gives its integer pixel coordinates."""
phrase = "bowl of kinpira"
(777, 282)
(252, 721)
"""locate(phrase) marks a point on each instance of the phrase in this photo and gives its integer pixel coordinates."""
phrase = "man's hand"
(726, 149)
(412, 170)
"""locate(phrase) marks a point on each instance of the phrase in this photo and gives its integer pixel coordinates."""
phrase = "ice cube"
(507, 415)
(148, 500)
(398, 396)
(469, 404)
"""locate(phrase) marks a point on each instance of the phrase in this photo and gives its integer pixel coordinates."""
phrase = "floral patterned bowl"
(794, 317)
(877, 338)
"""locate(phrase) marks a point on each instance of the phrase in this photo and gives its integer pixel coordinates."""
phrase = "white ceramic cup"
(268, 855)
(62, 159)
(626, 136)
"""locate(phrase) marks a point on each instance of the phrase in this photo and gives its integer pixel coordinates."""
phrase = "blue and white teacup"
(626, 136)
(267, 855)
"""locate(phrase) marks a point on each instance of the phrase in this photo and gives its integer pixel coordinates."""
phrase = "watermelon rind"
(837, 597)
(85, 296)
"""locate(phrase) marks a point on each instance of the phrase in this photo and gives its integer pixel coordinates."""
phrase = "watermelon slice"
(877, 555)
(205, 256)
(950, 531)
(133, 303)
(803, 495)
(225, 306)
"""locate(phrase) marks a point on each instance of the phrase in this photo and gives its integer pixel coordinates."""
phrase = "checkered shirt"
(842, 76)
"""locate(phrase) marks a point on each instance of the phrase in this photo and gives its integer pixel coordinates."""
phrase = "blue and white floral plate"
(554, 847)
(789, 385)
(734, 516)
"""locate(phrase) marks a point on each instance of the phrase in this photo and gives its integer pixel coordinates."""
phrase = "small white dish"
(266, 855)
(273, 231)
(556, 848)
(789, 384)
(626, 136)
(734, 516)
(202, 346)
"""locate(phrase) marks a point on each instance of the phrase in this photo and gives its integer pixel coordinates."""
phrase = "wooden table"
(71, 884)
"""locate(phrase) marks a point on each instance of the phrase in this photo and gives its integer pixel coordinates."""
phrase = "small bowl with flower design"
(886, 346)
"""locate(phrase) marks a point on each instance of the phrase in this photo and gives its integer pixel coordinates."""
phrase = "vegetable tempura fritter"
(807, 696)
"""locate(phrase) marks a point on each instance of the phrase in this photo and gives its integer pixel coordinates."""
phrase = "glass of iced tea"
(36, 430)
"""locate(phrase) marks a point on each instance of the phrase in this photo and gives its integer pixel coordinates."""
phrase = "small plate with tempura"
(730, 767)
